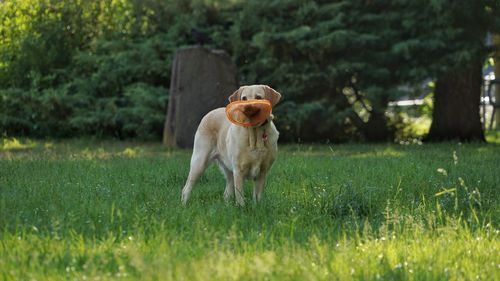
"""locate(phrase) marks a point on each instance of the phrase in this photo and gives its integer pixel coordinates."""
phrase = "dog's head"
(256, 92)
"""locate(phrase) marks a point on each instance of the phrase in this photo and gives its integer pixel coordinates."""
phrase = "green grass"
(88, 210)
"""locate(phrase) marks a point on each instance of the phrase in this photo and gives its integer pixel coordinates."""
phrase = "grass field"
(89, 210)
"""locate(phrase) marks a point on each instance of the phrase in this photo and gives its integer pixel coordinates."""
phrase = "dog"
(240, 152)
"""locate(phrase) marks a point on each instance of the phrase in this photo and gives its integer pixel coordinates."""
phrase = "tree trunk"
(376, 129)
(456, 106)
(496, 45)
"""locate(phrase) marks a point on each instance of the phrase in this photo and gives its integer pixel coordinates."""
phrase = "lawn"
(106, 210)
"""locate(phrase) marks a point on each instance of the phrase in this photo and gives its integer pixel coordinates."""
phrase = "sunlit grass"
(493, 136)
(101, 210)
(16, 144)
(13, 148)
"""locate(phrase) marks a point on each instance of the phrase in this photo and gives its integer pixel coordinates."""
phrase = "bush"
(120, 89)
(34, 112)
(117, 91)
(85, 68)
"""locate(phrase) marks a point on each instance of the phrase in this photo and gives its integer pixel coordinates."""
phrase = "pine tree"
(458, 88)
(341, 62)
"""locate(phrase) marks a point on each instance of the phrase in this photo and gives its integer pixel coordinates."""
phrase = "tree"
(341, 62)
(458, 87)
(496, 46)
(332, 59)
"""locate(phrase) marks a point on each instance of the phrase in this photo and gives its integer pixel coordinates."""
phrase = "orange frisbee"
(248, 113)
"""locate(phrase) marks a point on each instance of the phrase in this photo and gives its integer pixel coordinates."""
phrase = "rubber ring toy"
(248, 113)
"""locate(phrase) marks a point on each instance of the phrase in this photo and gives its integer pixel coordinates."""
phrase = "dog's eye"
(244, 98)
(258, 97)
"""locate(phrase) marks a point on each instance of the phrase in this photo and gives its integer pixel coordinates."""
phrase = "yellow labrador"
(241, 153)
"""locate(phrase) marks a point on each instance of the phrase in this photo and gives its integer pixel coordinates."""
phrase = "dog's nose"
(250, 110)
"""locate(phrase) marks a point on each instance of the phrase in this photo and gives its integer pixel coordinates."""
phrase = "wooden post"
(201, 80)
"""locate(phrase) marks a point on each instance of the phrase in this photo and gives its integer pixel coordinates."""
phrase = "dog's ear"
(272, 95)
(236, 95)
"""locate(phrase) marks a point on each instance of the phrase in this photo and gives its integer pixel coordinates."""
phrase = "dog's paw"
(240, 201)
(228, 195)
(184, 199)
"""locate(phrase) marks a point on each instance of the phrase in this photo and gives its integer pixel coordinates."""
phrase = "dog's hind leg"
(199, 162)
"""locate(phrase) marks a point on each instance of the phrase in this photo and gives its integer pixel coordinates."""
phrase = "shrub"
(34, 112)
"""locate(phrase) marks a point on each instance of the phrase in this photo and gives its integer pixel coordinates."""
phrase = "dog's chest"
(251, 151)
(257, 160)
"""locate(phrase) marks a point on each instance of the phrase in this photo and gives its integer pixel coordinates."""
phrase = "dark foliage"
(103, 67)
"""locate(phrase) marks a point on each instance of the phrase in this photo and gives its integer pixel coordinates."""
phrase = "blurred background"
(361, 70)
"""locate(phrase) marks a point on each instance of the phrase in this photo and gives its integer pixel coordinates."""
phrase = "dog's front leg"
(251, 137)
(259, 187)
(238, 188)
(229, 192)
